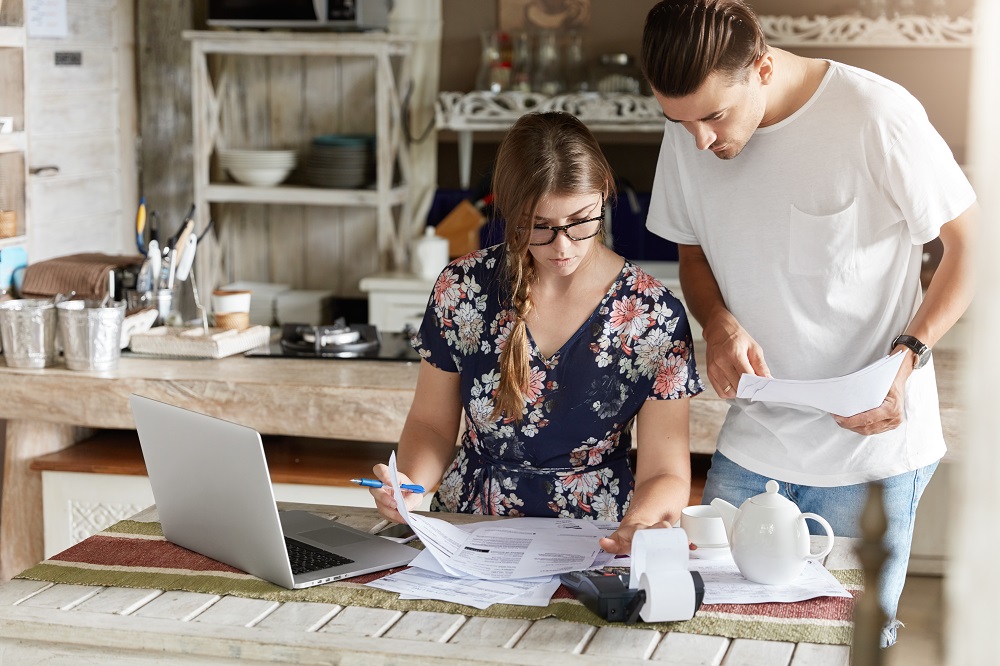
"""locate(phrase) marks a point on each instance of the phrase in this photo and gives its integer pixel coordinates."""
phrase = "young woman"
(552, 345)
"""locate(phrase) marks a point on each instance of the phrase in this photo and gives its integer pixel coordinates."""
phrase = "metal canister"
(28, 331)
(91, 334)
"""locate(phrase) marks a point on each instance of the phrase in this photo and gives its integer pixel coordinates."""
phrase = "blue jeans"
(841, 506)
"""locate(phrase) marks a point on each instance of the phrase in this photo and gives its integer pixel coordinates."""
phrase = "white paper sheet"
(421, 584)
(47, 18)
(724, 584)
(844, 396)
(508, 549)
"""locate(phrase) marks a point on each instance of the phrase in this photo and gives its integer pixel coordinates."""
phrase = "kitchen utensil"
(155, 258)
(140, 226)
(186, 258)
(769, 538)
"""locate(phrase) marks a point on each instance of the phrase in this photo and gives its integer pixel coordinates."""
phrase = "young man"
(801, 207)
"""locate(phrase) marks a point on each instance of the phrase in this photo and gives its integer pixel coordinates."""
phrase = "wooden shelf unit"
(389, 197)
(13, 143)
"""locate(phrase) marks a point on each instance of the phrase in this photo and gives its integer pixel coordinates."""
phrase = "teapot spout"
(728, 513)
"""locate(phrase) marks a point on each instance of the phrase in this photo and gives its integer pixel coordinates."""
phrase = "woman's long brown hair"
(543, 154)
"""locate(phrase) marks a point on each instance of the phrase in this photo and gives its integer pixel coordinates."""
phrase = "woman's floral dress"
(568, 456)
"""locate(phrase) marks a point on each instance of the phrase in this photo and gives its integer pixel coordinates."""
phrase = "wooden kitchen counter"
(49, 410)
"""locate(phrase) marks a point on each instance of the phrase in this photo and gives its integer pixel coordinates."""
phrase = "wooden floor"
(921, 642)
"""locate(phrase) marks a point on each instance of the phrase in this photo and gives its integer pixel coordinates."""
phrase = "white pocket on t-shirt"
(822, 245)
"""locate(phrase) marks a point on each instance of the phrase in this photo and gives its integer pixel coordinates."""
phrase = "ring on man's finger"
(729, 387)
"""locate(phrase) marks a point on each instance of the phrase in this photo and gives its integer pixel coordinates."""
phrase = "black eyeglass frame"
(566, 227)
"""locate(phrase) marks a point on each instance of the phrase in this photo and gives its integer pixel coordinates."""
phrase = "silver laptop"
(213, 494)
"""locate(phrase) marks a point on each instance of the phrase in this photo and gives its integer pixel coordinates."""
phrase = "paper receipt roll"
(660, 568)
(669, 596)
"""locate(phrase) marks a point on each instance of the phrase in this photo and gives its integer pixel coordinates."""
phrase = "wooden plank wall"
(164, 81)
(276, 102)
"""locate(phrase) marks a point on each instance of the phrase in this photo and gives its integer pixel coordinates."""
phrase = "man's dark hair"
(684, 41)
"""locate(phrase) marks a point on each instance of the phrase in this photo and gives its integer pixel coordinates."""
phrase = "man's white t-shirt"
(814, 233)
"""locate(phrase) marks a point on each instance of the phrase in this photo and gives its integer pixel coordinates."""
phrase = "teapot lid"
(771, 499)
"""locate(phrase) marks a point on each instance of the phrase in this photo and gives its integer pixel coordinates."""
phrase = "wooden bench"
(101, 480)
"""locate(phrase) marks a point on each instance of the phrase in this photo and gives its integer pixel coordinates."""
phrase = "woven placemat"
(135, 555)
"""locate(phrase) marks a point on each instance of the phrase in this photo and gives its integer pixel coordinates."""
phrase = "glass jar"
(520, 65)
(576, 66)
(494, 62)
(548, 78)
(618, 73)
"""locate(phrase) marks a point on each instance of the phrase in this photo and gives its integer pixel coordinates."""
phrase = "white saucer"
(710, 552)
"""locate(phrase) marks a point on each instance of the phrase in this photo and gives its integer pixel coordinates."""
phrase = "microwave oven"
(319, 14)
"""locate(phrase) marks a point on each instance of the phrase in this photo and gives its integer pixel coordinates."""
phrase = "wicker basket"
(232, 320)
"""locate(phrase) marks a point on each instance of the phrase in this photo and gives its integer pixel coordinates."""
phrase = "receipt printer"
(609, 596)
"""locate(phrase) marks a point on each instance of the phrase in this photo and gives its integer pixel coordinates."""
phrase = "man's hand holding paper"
(847, 396)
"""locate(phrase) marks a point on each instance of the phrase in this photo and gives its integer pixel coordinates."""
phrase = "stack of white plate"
(261, 168)
(302, 306)
(341, 161)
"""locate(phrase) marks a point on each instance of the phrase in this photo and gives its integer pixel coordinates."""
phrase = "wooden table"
(49, 410)
(111, 625)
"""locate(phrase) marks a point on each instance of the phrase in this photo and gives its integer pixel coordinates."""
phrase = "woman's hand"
(385, 500)
(620, 543)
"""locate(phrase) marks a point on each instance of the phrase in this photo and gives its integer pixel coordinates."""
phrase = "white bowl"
(259, 176)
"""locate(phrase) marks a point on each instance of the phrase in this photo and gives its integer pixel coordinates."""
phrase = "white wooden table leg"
(21, 519)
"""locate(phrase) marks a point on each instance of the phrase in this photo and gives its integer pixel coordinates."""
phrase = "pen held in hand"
(373, 483)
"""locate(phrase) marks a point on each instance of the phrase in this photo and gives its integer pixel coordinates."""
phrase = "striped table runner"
(135, 555)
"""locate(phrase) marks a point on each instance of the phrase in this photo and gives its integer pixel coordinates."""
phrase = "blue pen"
(372, 483)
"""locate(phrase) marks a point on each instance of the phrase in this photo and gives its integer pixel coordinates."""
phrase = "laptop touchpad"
(331, 536)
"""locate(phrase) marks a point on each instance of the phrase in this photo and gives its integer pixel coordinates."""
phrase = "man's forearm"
(702, 295)
(951, 289)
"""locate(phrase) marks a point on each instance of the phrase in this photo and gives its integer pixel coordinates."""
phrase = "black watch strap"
(922, 351)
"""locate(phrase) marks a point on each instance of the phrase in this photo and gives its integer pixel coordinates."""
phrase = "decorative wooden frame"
(849, 30)
(538, 14)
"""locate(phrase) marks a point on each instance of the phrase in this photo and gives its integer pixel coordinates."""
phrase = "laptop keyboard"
(305, 558)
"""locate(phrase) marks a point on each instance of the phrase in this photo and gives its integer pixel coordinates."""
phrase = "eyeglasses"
(583, 229)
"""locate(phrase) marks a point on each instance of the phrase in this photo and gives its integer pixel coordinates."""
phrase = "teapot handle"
(829, 536)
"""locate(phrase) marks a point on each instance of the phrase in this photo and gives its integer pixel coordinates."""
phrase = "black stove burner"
(335, 341)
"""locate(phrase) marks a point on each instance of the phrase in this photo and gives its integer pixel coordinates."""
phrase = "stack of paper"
(518, 561)
(515, 561)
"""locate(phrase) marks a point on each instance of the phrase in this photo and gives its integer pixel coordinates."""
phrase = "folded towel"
(86, 274)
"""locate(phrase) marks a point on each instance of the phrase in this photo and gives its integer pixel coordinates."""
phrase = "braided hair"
(543, 154)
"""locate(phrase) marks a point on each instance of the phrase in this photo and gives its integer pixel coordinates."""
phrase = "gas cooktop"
(338, 341)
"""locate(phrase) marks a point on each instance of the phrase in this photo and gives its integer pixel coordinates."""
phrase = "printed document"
(416, 583)
(724, 584)
(504, 549)
(844, 396)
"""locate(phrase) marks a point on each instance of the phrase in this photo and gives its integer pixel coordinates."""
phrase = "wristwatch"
(922, 351)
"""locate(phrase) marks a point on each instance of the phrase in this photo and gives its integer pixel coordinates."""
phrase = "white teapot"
(769, 538)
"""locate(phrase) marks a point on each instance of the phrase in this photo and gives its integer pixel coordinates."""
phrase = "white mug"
(704, 527)
(229, 300)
